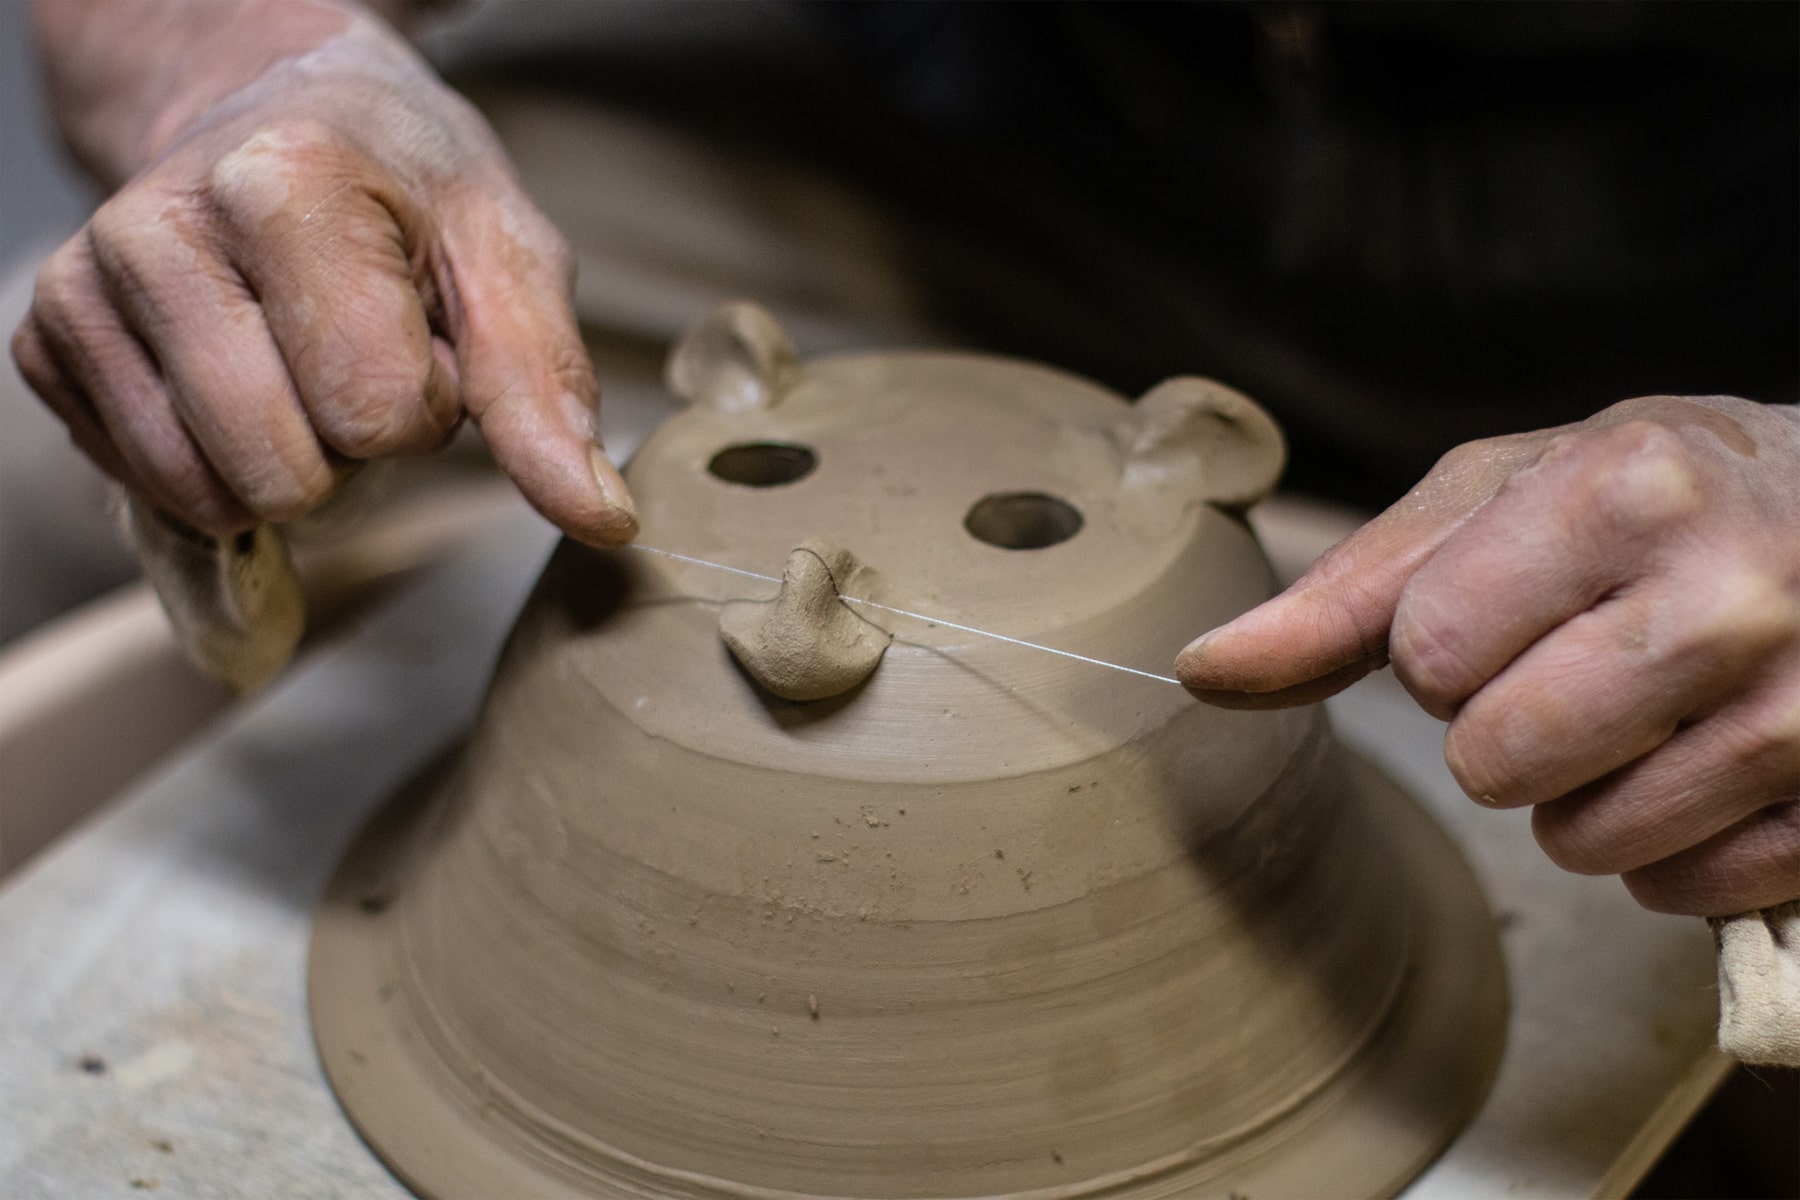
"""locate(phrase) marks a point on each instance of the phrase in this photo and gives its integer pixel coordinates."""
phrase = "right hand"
(333, 263)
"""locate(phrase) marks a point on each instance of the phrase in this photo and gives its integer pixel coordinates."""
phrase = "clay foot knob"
(807, 644)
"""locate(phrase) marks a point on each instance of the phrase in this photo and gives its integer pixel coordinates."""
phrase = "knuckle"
(535, 246)
(1645, 479)
(1663, 887)
(558, 256)
(1637, 408)
(275, 468)
(1469, 456)
(1484, 761)
(1781, 829)
(538, 234)
(277, 166)
(32, 357)
(570, 371)
(1469, 467)
(126, 227)
(214, 511)
(1582, 840)
(1754, 864)
(56, 299)
(1428, 652)
(372, 413)
(120, 221)
(287, 494)
(1746, 613)
(191, 492)
(1562, 444)
(1765, 741)
(135, 244)
(1780, 823)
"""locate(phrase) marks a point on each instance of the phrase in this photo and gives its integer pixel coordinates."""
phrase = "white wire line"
(917, 616)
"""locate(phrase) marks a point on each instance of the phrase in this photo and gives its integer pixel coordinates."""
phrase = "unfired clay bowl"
(746, 894)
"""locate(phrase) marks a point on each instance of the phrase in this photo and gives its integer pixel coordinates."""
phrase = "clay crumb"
(761, 996)
(162, 1144)
(812, 1005)
(93, 1064)
(1000, 854)
(375, 903)
(143, 1184)
(1074, 789)
(1057, 1156)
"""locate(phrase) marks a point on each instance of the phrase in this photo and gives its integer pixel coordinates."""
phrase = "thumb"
(1331, 627)
(525, 375)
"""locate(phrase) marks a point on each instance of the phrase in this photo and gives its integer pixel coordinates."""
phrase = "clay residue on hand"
(807, 644)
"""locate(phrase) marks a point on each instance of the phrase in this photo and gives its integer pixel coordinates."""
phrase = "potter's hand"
(1608, 615)
(319, 255)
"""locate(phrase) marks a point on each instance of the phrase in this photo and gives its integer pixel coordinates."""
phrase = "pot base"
(1365, 1131)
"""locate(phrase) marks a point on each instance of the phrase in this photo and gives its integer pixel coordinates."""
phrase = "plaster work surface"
(153, 1030)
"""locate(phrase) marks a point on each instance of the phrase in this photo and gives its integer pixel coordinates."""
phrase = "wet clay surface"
(807, 644)
(981, 922)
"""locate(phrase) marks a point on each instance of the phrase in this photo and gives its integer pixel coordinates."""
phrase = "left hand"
(1608, 615)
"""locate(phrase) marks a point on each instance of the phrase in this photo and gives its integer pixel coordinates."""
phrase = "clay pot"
(961, 919)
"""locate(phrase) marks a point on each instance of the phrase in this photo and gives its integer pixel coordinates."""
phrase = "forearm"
(124, 79)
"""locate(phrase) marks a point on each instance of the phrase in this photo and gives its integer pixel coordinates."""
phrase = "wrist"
(127, 80)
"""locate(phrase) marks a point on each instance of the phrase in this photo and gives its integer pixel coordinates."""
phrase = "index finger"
(1331, 627)
(526, 378)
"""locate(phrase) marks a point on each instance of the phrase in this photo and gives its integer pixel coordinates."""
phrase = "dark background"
(1399, 225)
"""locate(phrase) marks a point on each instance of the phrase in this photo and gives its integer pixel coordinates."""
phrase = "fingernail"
(612, 485)
(1198, 646)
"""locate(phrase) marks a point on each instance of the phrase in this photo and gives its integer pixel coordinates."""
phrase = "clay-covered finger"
(1614, 683)
(1711, 775)
(525, 375)
(52, 384)
(1331, 627)
(329, 244)
(1752, 865)
(1575, 525)
(74, 323)
(223, 371)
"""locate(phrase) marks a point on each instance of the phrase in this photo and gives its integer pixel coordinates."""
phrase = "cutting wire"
(917, 616)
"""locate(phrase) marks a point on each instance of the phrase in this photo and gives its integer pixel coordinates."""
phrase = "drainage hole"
(1022, 520)
(763, 464)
